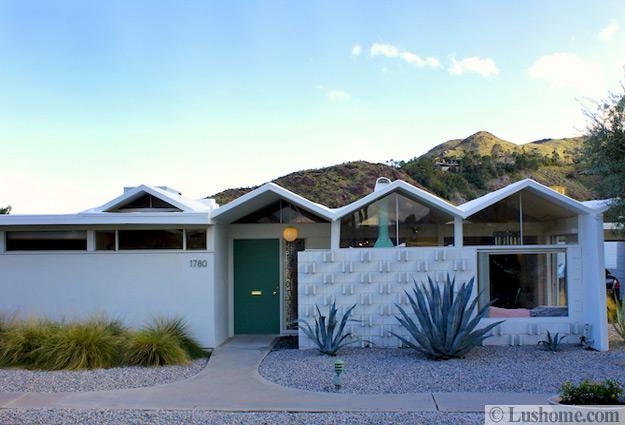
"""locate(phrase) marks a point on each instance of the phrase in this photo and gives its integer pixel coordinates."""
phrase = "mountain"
(482, 143)
(457, 170)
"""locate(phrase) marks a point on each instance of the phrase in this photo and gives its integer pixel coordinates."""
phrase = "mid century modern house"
(265, 259)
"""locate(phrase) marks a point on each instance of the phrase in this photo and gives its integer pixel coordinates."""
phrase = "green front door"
(256, 286)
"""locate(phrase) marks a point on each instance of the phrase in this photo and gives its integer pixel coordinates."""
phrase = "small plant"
(445, 326)
(619, 319)
(586, 393)
(612, 306)
(76, 346)
(329, 337)
(157, 344)
(552, 343)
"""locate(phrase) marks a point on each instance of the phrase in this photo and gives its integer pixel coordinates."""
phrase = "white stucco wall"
(375, 279)
(131, 286)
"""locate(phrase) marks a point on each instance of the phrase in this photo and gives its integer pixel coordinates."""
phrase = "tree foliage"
(5, 210)
(605, 152)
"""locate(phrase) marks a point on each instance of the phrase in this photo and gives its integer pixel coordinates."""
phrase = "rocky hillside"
(458, 170)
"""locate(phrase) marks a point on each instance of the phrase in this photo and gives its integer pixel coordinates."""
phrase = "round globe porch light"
(289, 234)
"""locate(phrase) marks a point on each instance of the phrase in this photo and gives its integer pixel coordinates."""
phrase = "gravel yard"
(114, 417)
(20, 380)
(486, 369)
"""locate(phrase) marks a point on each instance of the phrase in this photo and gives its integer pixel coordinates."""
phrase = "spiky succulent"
(552, 343)
(330, 335)
(445, 325)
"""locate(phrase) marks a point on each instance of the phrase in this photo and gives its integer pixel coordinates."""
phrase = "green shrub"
(619, 320)
(612, 305)
(156, 345)
(179, 329)
(445, 326)
(591, 393)
(19, 341)
(76, 346)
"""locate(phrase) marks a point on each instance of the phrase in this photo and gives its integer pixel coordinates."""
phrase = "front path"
(231, 382)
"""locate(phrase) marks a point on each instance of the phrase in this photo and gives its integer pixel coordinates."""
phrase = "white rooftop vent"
(381, 182)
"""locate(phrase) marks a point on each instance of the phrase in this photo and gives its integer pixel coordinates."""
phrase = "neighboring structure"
(258, 263)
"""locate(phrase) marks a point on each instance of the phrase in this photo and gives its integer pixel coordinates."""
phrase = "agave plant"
(552, 343)
(445, 326)
(329, 337)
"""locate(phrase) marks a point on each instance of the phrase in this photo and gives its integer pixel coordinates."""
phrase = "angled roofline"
(176, 200)
(318, 209)
(478, 204)
(402, 186)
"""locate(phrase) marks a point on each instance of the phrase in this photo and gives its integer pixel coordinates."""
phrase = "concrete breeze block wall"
(375, 280)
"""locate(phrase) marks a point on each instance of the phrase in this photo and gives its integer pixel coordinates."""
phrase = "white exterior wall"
(218, 236)
(130, 286)
(375, 279)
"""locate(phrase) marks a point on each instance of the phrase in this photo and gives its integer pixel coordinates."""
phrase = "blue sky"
(202, 96)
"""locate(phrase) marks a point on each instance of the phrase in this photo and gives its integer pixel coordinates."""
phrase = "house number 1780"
(198, 263)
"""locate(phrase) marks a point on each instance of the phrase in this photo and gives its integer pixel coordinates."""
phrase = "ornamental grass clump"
(162, 342)
(77, 346)
(329, 333)
(179, 328)
(20, 340)
(445, 323)
(95, 343)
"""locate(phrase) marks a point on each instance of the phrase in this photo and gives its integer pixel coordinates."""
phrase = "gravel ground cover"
(20, 380)
(106, 417)
(486, 369)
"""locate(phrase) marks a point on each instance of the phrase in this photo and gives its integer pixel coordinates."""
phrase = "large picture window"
(523, 284)
(396, 220)
(70, 240)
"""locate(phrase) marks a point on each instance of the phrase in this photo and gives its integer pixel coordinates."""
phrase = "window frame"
(525, 249)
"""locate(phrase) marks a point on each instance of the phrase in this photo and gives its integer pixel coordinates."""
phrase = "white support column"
(458, 234)
(3, 245)
(90, 240)
(593, 278)
(335, 235)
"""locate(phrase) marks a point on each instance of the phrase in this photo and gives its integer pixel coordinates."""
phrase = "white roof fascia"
(599, 205)
(82, 219)
(478, 204)
(401, 186)
(178, 201)
(294, 198)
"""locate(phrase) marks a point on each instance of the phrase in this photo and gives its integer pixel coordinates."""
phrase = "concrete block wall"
(375, 280)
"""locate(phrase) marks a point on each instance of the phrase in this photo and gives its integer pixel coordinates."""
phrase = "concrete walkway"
(231, 382)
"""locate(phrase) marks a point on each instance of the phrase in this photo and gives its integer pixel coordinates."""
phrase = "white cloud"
(391, 51)
(382, 49)
(568, 70)
(417, 60)
(337, 95)
(606, 34)
(356, 50)
(485, 67)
